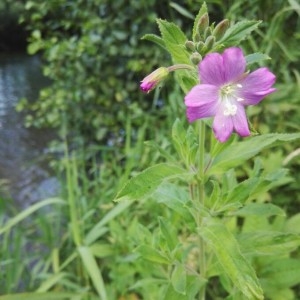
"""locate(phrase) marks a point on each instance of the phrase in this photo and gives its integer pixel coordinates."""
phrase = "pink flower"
(225, 90)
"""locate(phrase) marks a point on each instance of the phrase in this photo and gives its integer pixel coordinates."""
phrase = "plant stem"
(201, 199)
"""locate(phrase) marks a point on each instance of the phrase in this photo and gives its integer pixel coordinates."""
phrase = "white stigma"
(230, 109)
(229, 96)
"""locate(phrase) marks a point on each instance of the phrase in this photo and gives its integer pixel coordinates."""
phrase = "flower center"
(228, 94)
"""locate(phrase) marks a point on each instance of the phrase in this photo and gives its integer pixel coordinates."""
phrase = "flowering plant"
(224, 228)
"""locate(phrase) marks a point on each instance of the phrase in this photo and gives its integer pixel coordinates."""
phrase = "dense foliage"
(86, 247)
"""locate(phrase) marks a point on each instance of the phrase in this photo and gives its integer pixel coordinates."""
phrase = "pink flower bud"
(153, 79)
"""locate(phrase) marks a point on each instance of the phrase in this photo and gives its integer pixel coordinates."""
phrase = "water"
(22, 150)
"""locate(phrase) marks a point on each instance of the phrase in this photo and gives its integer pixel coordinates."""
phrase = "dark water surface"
(22, 150)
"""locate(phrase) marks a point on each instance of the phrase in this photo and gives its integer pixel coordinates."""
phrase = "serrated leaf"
(238, 32)
(234, 264)
(155, 39)
(201, 12)
(151, 254)
(145, 183)
(256, 58)
(178, 279)
(174, 40)
(239, 152)
(259, 209)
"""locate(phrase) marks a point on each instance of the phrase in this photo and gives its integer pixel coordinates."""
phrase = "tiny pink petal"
(211, 69)
(234, 63)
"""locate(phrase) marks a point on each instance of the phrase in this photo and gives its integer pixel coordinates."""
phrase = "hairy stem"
(201, 203)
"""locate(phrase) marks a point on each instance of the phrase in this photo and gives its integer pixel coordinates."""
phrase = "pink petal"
(201, 102)
(256, 86)
(240, 122)
(234, 63)
(211, 69)
(222, 125)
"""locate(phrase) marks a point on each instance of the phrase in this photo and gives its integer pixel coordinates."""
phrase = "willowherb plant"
(226, 245)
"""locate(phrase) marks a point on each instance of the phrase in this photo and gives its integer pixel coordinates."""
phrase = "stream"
(23, 151)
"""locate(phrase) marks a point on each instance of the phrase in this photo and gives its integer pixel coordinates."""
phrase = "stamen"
(239, 85)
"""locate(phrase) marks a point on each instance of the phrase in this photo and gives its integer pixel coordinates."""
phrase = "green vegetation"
(82, 245)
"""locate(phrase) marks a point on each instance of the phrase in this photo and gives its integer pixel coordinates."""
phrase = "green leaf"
(256, 58)
(182, 10)
(99, 229)
(238, 32)
(155, 39)
(93, 270)
(234, 264)
(29, 211)
(201, 12)
(151, 254)
(39, 296)
(174, 40)
(50, 282)
(239, 152)
(268, 243)
(169, 233)
(178, 279)
(148, 181)
(283, 273)
(171, 33)
(259, 209)
(242, 191)
(175, 198)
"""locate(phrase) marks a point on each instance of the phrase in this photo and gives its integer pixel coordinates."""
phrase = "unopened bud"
(207, 32)
(199, 46)
(195, 58)
(203, 23)
(153, 79)
(189, 45)
(210, 41)
(197, 37)
(220, 29)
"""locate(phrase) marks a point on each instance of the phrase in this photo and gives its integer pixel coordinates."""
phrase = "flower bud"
(207, 32)
(199, 46)
(220, 29)
(195, 58)
(203, 23)
(209, 42)
(153, 79)
(189, 45)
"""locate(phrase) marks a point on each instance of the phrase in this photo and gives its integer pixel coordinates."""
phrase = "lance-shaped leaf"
(239, 152)
(234, 264)
(238, 32)
(174, 40)
(155, 39)
(145, 183)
